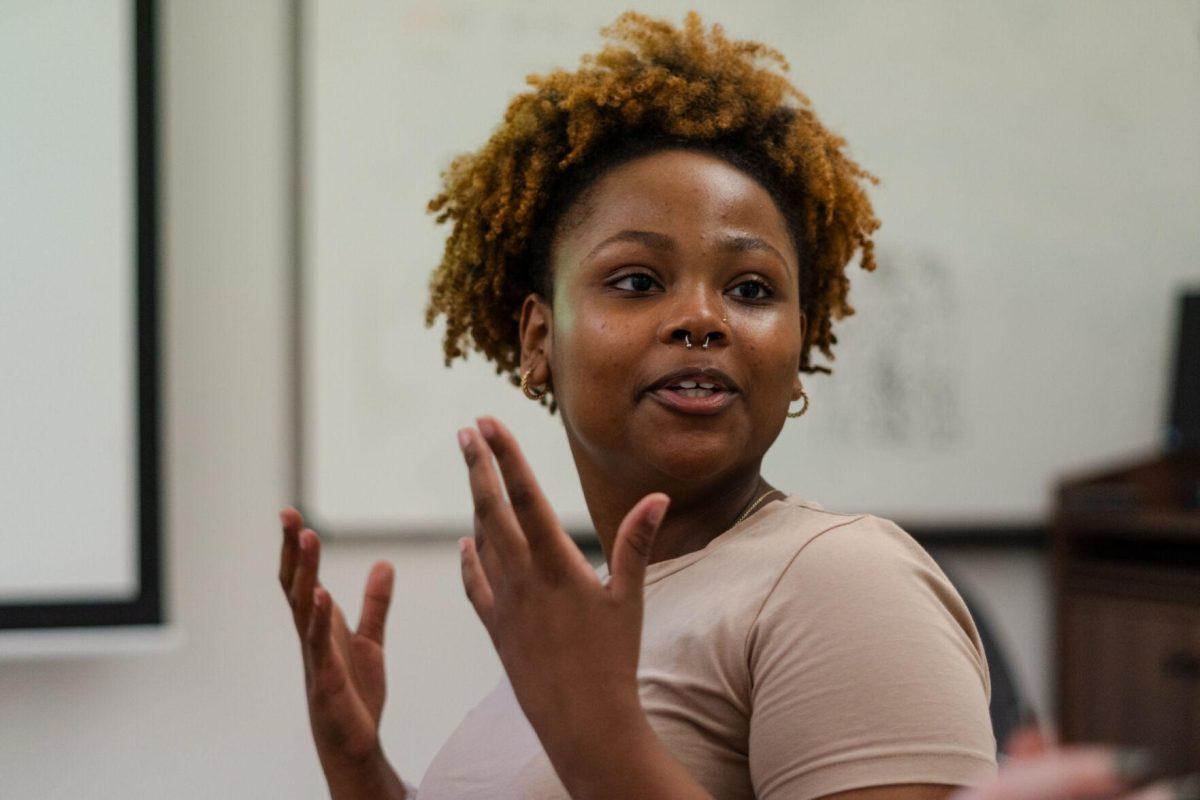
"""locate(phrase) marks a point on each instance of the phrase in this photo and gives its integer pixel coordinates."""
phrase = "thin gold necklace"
(750, 508)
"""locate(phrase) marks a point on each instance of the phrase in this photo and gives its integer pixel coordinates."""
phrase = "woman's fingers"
(496, 527)
(475, 582)
(376, 599)
(318, 632)
(291, 521)
(538, 520)
(326, 669)
(631, 551)
(305, 579)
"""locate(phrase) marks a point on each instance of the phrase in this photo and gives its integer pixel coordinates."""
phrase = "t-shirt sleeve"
(866, 670)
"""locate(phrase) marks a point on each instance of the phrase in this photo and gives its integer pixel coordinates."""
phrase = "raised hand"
(343, 670)
(568, 642)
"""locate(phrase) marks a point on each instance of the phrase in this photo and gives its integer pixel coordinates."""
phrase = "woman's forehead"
(675, 193)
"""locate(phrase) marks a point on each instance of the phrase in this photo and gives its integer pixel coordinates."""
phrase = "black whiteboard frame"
(147, 607)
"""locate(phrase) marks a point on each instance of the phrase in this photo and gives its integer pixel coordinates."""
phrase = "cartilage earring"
(533, 393)
(803, 408)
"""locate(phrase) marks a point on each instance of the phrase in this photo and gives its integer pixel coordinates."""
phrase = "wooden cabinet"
(1127, 588)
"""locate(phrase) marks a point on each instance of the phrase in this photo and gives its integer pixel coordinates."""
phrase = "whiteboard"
(78, 444)
(1040, 165)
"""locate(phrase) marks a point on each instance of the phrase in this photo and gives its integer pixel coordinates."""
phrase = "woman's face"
(673, 247)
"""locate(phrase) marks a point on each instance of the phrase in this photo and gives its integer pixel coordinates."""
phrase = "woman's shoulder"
(828, 554)
(857, 571)
(797, 524)
(862, 646)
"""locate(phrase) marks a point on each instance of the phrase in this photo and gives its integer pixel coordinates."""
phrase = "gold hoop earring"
(531, 392)
(803, 408)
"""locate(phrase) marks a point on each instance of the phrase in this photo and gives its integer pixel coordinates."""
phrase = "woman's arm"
(372, 779)
(864, 672)
(912, 791)
(344, 676)
(647, 769)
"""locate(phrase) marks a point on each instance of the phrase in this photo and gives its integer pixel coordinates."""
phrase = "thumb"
(635, 536)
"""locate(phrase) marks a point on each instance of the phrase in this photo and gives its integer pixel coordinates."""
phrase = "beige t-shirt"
(798, 654)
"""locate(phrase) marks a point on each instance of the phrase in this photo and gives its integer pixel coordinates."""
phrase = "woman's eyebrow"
(655, 241)
(736, 243)
(741, 243)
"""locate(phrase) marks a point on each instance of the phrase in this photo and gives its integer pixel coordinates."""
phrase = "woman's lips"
(678, 400)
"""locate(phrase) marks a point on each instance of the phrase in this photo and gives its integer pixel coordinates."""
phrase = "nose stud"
(687, 341)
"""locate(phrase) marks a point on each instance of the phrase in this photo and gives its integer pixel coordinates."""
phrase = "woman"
(653, 245)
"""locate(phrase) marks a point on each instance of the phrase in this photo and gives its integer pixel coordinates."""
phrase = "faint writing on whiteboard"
(897, 378)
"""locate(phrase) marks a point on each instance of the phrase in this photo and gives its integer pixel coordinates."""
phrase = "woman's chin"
(686, 452)
(693, 463)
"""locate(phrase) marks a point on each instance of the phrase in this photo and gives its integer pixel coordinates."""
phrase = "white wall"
(224, 715)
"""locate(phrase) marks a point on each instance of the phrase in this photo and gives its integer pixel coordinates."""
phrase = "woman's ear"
(797, 386)
(537, 339)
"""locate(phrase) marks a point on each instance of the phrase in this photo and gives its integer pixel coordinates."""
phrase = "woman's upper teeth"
(694, 384)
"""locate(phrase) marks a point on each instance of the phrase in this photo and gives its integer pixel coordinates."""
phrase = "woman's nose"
(696, 321)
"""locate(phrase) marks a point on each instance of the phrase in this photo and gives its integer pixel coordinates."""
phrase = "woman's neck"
(697, 515)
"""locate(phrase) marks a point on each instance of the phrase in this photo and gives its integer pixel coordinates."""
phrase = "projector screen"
(79, 527)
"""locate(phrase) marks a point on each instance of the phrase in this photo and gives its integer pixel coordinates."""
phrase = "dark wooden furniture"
(1126, 546)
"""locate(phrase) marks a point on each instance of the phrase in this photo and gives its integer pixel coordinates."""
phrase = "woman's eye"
(752, 290)
(637, 282)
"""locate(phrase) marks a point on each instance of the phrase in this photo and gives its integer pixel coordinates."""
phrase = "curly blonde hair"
(652, 86)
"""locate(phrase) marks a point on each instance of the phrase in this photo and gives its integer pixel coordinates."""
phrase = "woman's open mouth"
(694, 393)
(693, 400)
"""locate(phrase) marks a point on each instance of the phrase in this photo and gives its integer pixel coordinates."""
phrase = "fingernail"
(656, 514)
(464, 439)
(486, 427)
(1188, 787)
(1135, 764)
